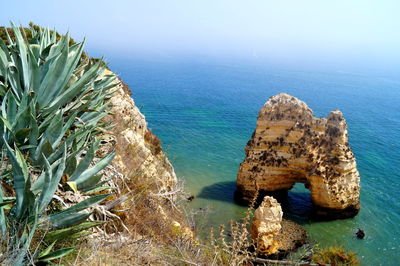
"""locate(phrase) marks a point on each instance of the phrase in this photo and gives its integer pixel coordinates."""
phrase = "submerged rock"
(290, 145)
(360, 234)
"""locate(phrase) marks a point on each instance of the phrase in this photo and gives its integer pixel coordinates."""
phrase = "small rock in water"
(360, 234)
(190, 198)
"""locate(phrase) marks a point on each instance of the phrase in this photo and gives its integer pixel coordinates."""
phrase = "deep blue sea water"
(205, 112)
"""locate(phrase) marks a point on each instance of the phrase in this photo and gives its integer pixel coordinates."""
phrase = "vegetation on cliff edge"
(52, 100)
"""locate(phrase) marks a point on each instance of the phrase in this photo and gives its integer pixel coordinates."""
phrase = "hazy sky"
(344, 29)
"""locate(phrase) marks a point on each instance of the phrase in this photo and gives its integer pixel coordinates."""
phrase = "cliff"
(138, 150)
(144, 180)
(290, 145)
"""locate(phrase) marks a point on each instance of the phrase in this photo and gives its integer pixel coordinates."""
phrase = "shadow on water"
(296, 206)
(222, 191)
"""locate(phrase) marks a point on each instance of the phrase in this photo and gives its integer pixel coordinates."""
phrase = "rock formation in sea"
(290, 145)
(267, 225)
(271, 233)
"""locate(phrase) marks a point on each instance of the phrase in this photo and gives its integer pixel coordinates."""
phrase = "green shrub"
(5, 32)
(52, 101)
(335, 256)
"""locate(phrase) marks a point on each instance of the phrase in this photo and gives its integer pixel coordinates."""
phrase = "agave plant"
(51, 107)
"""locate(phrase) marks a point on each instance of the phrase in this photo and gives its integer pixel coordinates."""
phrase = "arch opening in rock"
(298, 205)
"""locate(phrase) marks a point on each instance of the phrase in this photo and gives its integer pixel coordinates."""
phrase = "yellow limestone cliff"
(290, 145)
(144, 177)
(134, 143)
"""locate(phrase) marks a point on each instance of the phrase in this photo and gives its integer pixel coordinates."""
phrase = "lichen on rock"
(290, 145)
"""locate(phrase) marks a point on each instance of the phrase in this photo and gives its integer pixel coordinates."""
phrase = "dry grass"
(228, 247)
(152, 240)
(116, 250)
(153, 141)
(125, 88)
(147, 209)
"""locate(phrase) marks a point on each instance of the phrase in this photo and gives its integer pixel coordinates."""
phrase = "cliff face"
(138, 151)
(144, 178)
(290, 145)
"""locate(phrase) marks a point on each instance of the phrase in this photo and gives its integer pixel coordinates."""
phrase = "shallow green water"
(205, 113)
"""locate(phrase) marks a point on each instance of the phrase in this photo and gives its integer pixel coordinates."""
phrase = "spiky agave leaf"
(51, 106)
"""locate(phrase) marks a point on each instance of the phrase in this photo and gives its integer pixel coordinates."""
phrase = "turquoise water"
(205, 112)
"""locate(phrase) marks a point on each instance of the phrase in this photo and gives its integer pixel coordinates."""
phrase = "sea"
(205, 110)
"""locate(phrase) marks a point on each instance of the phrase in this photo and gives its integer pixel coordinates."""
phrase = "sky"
(313, 30)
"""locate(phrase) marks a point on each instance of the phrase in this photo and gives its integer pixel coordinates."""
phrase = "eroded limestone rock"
(140, 164)
(271, 233)
(266, 225)
(290, 145)
(134, 156)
